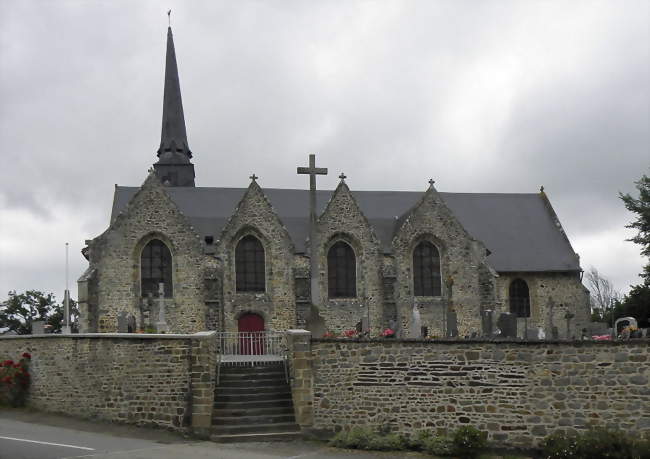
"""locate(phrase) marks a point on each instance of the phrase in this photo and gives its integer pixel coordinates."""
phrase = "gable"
(518, 228)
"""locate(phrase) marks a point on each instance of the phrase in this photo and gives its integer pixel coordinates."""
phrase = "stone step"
(253, 397)
(255, 428)
(252, 411)
(247, 404)
(260, 389)
(253, 420)
(247, 369)
(230, 382)
(254, 437)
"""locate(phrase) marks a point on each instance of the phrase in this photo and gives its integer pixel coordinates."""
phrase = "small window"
(156, 267)
(519, 298)
(426, 270)
(249, 265)
(341, 271)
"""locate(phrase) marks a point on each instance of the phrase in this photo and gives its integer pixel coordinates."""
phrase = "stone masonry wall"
(343, 220)
(255, 216)
(517, 392)
(161, 380)
(552, 295)
(462, 260)
(115, 257)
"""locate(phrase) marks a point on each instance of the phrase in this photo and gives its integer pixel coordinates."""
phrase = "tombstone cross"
(313, 171)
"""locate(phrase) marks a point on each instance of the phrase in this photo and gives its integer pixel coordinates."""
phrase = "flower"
(350, 333)
(7, 363)
(388, 332)
(328, 334)
(27, 355)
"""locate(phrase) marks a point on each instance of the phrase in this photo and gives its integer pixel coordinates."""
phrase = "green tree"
(19, 311)
(637, 302)
(641, 207)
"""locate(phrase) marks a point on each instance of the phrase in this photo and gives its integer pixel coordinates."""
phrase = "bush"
(468, 442)
(14, 381)
(418, 440)
(438, 445)
(596, 443)
(559, 445)
(368, 439)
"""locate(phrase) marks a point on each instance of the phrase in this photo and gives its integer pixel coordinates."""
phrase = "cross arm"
(313, 170)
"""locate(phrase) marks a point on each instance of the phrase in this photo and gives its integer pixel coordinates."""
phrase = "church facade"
(181, 258)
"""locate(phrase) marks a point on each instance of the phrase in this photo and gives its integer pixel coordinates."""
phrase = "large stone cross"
(313, 171)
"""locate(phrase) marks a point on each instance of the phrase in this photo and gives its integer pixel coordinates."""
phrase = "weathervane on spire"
(169, 17)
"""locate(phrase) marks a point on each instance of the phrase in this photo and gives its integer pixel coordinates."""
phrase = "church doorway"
(251, 334)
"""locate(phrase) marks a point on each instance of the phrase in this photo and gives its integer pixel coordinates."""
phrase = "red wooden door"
(251, 334)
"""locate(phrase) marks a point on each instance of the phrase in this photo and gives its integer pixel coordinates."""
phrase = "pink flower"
(388, 332)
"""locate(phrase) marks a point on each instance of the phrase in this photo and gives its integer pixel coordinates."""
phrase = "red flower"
(7, 363)
(350, 333)
(27, 355)
(388, 332)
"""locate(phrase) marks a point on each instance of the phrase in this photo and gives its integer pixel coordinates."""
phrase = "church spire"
(173, 166)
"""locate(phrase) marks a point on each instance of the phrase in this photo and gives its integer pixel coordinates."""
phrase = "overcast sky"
(482, 96)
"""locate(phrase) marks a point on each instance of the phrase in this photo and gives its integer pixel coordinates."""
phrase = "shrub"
(417, 441)
(469, 441)
(355, 438)
(14, 381)
(438, 445)
(596, 443)
(560, 445)
(368, 439)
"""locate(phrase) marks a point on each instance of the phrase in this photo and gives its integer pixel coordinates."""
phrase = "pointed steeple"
(173, 166)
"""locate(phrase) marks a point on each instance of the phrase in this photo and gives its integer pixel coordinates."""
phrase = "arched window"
(341, 271)
(426, 270)
(519, 298)
(156, 267)
(249, 265)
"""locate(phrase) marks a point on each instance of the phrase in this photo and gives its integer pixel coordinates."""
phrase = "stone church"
(254, 258)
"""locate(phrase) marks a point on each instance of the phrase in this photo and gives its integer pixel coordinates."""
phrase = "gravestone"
(452, 324)
(38, 327)
(122, 323)
(415, 328)
(555, 333)
(161, 325)
(532, 334)
(488, 322)
(507, 323)
(131, 326)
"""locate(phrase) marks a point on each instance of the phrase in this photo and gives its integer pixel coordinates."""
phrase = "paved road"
(32, 435)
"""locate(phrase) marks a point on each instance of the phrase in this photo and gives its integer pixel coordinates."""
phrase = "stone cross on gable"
(313, 171)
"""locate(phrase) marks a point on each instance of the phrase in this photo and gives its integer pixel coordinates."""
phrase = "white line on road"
(47, 443)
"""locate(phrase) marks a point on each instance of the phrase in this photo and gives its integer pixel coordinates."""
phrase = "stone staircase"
(253, 403)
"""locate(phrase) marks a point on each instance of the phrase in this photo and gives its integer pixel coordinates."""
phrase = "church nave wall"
(276, 303)
(463, 269)
(115, 256)
(552, 297)
(343, 221)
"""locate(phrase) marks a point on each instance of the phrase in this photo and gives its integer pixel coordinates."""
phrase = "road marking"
(47, 443)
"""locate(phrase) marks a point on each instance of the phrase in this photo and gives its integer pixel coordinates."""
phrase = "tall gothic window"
(341, 271)
(426, 270)
(156, 267)
(249, 265)
(519, 298)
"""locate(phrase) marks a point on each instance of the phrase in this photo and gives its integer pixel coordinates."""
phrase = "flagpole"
(65, 329)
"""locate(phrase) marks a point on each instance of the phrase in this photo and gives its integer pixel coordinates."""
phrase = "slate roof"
(520, 230)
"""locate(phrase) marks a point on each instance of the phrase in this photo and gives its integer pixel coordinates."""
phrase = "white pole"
(66, 300)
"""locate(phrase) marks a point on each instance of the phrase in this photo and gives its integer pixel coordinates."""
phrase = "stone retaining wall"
(517, 392)
(161, 380)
